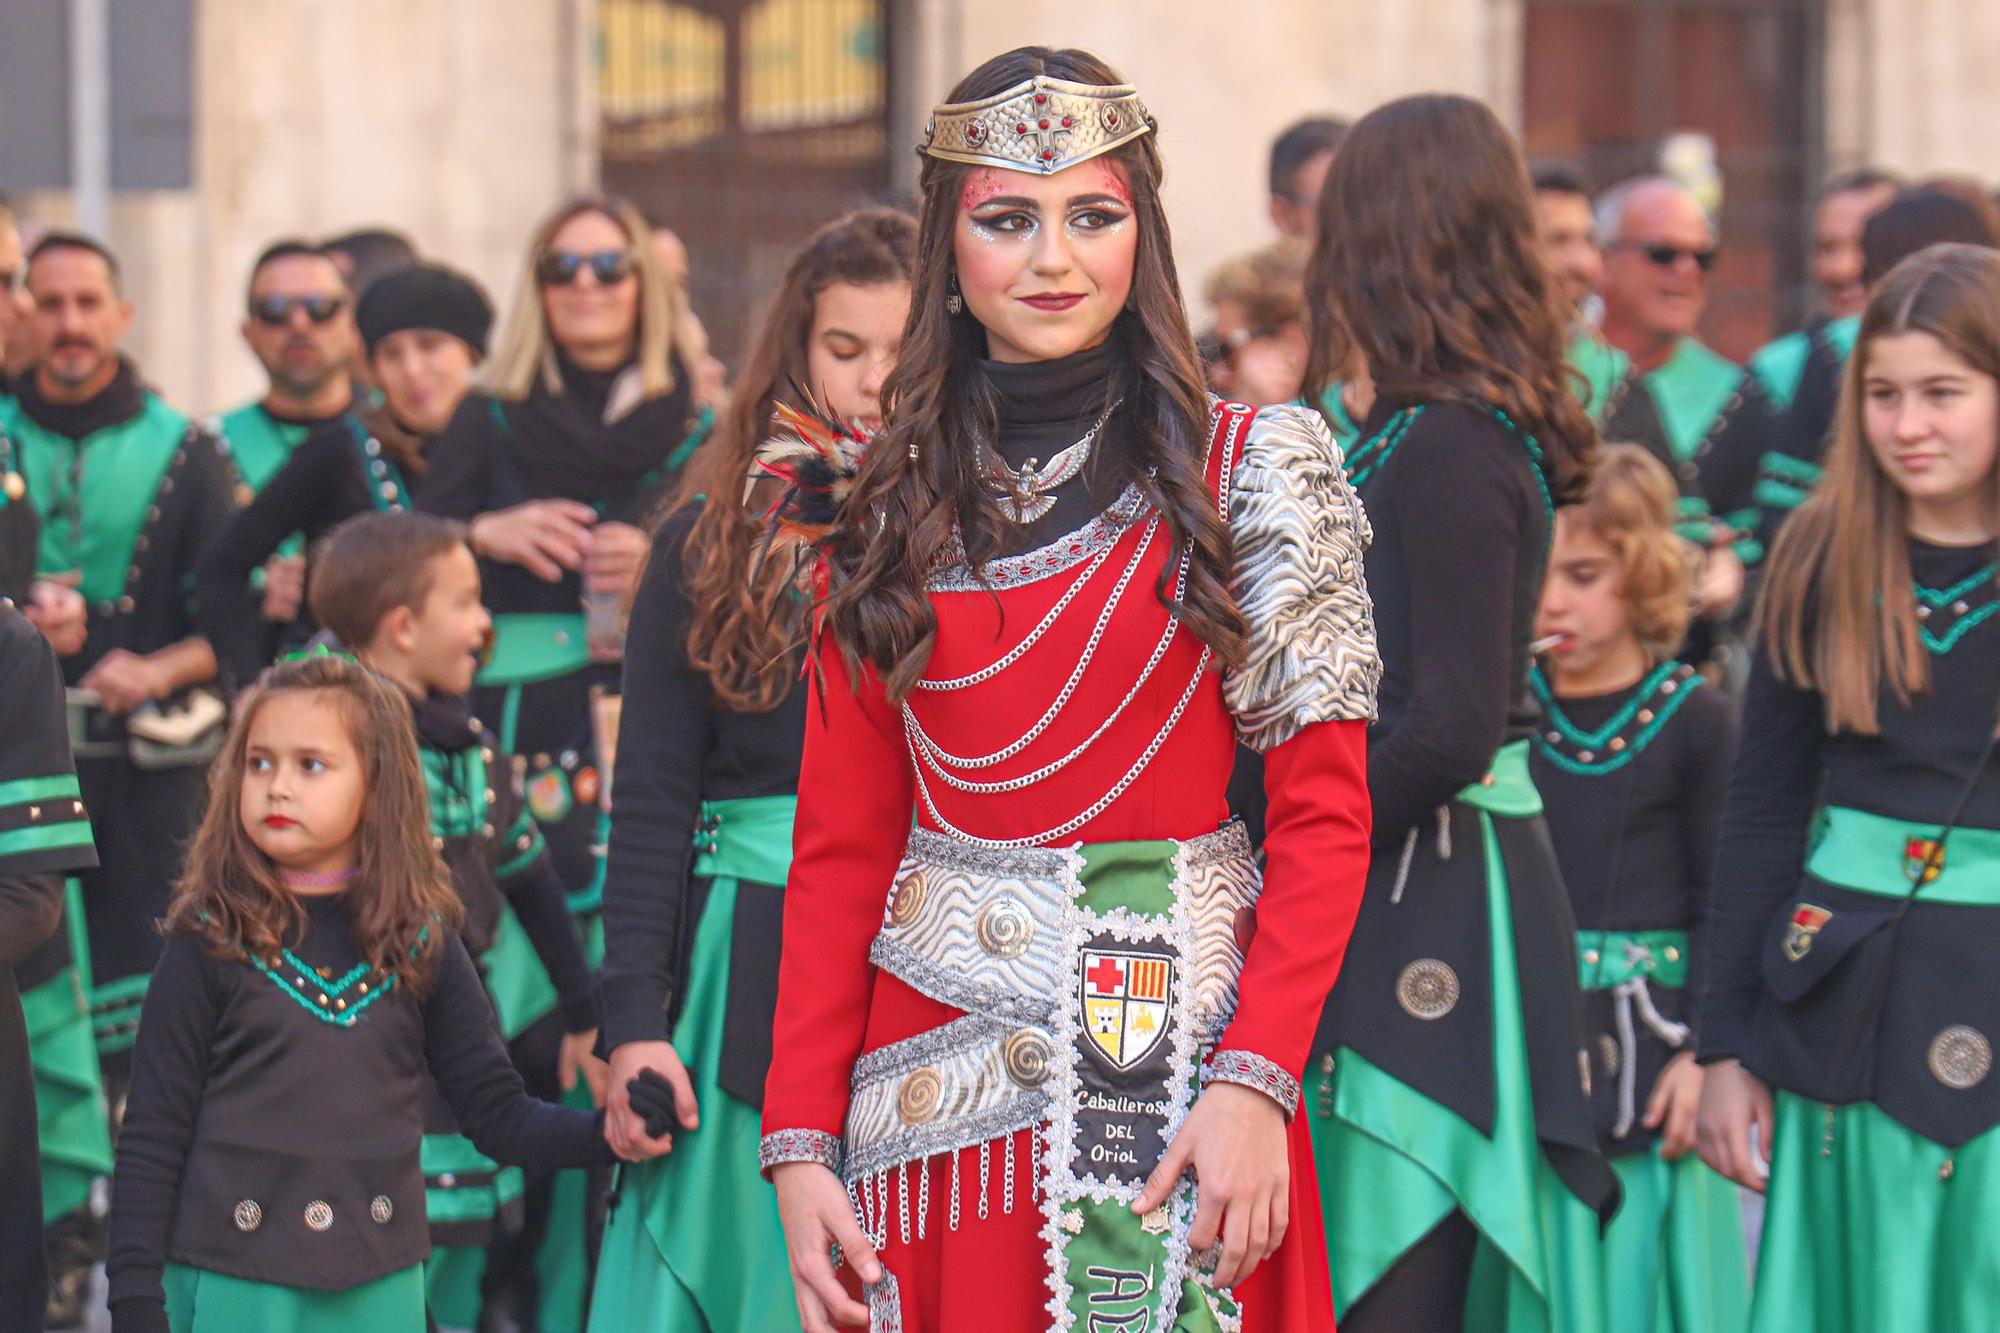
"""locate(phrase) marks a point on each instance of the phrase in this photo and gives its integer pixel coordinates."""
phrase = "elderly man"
(1710, 418)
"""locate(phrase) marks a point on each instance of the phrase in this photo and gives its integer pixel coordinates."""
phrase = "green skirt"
(1870, 1227)
(1673, 1260)
(200, 1301)
(694, 1241)
(1394, 1163)
(69, 1093)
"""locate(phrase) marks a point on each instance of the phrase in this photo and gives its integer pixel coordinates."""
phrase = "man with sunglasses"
(299, 324)
(1707, 418)
(127, 492)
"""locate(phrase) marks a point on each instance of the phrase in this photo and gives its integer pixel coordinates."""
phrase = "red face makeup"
(981, 185)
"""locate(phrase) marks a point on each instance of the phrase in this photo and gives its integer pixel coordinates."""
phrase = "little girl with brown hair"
(311, 988)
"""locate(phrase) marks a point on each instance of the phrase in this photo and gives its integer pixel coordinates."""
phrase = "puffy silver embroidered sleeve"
(799, 1145)
(1299, 533)
(1253, 1071)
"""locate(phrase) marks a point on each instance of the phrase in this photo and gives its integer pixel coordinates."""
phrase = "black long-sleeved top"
(323, 483)
(1455, 572)
(214, 1024)
(1636, 842)
(1787, 766)
(676, 749)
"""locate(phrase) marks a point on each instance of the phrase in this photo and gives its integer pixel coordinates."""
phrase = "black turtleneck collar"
(113, 405)
(1046, 393)
(590, 389)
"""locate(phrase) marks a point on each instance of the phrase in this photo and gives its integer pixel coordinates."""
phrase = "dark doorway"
(1606, 82)
(744, 125)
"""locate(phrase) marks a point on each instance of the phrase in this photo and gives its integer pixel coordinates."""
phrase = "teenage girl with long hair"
(1036, 1061)
(1848, 1019)
(714, 716)
(1450, 1093)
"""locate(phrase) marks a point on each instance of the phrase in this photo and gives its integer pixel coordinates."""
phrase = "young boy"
(401, 591)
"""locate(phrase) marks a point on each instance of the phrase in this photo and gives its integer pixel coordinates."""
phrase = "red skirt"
(989, 1276)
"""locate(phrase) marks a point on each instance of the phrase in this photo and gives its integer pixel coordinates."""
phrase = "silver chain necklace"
(1026, 495)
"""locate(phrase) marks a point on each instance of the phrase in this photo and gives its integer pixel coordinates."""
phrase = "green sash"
(1107, 1262)
(1871, 853)
(93, 493)
(1607, 959)
(746, 838)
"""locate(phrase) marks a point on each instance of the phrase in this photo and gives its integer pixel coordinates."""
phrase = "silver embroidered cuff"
(799, 1145)
(1253, 1071)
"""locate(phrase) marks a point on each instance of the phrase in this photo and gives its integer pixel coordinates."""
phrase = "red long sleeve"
(1316, 861)
(855, 800)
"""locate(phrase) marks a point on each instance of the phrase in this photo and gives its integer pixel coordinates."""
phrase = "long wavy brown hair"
(746, 619)
(1838, 613)
(941, 404)
(401, 899)
(1428, 267)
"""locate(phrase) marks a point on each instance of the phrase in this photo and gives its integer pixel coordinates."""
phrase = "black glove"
(653, 1101)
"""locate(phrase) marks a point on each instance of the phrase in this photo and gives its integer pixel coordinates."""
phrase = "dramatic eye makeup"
(1005, 215)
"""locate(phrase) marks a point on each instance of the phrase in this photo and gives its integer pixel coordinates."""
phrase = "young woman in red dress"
(1037, 1058)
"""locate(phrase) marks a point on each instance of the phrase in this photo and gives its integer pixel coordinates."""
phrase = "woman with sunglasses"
(555, 467)
(424, 328)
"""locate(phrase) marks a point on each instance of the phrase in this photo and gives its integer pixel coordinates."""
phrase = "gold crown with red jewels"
(1041, 125)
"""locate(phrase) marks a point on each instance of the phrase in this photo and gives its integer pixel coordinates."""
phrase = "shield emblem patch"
(1917, 860)
(1806, 923)
(1126, 999)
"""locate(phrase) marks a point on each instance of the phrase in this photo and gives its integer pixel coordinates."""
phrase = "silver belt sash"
(995, 933)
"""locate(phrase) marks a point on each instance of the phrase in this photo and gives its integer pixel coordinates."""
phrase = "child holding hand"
(312, 988)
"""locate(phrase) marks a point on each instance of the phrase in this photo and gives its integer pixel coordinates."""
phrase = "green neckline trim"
(1937, 599)
(1369, 456)
(1965, 625)
(328, 990)
(1940, 599)
(1591, 742)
